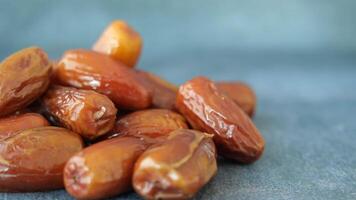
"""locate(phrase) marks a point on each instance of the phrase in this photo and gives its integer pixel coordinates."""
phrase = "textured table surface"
(305, 81)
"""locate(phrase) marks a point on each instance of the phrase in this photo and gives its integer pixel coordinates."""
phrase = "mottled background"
(299, 56)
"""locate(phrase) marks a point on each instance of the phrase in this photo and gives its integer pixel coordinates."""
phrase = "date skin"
(241, 93)
(104, 169)
(86, 69)
(152, 125)
(85, 112)
(24, 76)
(9, 126)
(33, 159)
(121, 42)
(208, 109)
(177, 168)
(163, 92)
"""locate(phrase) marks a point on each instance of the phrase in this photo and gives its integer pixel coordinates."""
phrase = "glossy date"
(177, 168)
(103, 169)
(24, 76)
(85, 112)
(91, 70)
(121, 42)
(33, 159)
(208, 109)
(152, 125)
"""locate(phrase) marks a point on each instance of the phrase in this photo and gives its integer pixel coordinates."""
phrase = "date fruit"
(24, 76)
(33, 159)
(241, 93)
(120, 41)
(152, 125)
(85, 112)
(208, 109)
(12, 124)
(163, 92)
(104, 169)
(91, 70)
(177, 168)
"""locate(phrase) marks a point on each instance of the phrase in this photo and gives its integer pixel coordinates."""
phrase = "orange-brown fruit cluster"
(163, 143)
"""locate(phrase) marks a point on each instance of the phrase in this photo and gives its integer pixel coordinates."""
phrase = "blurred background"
(249, 26)
(298, 55)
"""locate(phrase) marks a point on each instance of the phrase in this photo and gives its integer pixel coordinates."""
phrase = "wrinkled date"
(176, 168)
(12, 124)
(121, 42)
(103, 169)
(33, 159)
(241, 93)
(208, 109)
(152, 125)
(85, 112)
(24, 76)
(90, 70)
(163, 92)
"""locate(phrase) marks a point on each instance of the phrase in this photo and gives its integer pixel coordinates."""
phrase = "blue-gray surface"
(299, 56)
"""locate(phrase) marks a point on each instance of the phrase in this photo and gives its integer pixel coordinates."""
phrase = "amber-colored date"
(177, 168)
(241, 93)
(85, 112)
(91, 70)
(210, 110)
(163, 92)
(103, 169)
(152, 125)
(120, 41)
(24, 76)
(12, 124)
(33, 159)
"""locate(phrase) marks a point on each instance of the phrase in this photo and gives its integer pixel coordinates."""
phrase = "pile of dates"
(93, 124)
